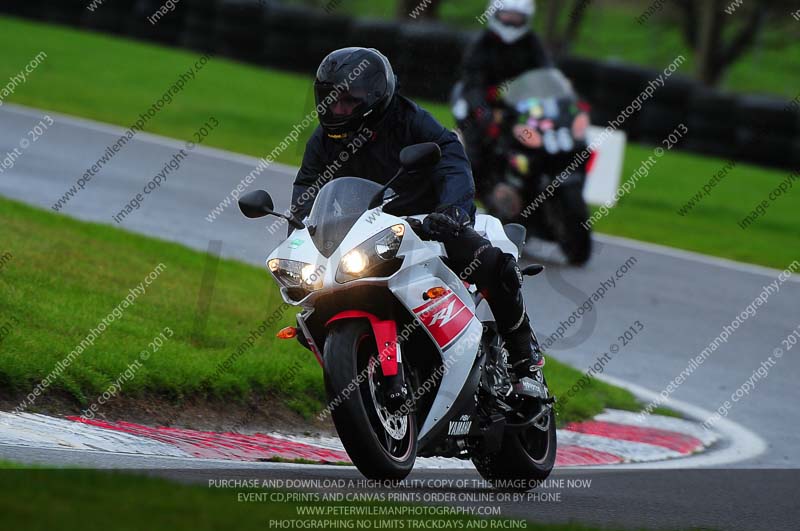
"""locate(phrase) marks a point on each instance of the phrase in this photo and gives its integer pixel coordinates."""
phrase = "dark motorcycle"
(540, 160)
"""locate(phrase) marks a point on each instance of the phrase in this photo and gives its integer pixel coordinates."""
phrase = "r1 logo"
(445, 318)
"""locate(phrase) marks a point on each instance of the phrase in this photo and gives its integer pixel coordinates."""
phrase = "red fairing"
(445, 317)
(385, 336)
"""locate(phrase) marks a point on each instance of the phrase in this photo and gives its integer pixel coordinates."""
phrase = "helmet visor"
(338, 105)
(515, 19)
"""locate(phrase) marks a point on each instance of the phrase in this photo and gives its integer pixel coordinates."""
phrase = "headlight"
(292, 274)
(354, 262)
(309, 274)
(370, 255)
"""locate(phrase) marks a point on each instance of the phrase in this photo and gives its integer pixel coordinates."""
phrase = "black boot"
(524, 353)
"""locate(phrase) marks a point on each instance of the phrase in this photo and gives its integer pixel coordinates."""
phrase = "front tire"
(573, 237)
(382, 446)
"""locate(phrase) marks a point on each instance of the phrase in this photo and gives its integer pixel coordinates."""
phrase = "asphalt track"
(683, 301)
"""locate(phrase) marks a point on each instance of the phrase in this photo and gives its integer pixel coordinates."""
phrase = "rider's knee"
(510, 274)
(494, 269)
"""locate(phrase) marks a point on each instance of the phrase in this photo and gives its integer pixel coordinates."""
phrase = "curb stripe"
(628, 451)
(686, 427)
(571, 455)
(678, 442)
(614, 437)
(210, 445)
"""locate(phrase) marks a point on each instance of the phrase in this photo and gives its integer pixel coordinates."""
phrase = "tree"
(559, 35)
(710, 29)
(418, 9)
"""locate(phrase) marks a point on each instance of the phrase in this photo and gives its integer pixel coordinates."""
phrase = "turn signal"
(289, 332)
(434, 293)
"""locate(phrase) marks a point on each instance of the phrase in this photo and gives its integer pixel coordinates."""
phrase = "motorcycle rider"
(503, 51)
(364, 124)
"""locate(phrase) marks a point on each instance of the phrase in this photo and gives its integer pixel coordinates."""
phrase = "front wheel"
(573, 236)
(382, 445)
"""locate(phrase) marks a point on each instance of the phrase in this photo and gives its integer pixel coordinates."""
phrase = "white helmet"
(510, 19)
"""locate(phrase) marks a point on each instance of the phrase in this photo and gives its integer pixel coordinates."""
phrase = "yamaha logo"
(460, 427)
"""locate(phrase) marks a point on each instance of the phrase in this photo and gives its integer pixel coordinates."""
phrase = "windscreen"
(336, 209)
(545, 83)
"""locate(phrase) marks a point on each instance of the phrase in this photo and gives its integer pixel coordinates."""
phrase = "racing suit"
(489, 62)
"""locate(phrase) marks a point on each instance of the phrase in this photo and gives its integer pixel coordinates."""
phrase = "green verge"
(113, 80)
(651, 211)
(61, 499)
(64, 276)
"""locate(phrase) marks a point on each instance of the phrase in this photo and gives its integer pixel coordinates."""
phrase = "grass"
(257, 108)
(650, 212)
(123, 501)
(66, 275)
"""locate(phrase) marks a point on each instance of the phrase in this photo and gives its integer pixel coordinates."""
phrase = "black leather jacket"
(489, 62)
(448, 183)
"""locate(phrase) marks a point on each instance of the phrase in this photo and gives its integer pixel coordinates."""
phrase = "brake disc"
(395, 425)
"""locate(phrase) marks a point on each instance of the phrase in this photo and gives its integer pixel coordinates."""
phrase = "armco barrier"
(329, 32)
(383, 35)
(238, 30)
(427, 59)
(585, 75)
(69, 12)
(297, 39)
(198, 31)
(23, 8)
(114, 16)
(766, 113)
(287, 34)
(712, 124)
(166, 30)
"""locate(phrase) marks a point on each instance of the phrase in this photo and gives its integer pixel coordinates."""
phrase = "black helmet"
(353, 88)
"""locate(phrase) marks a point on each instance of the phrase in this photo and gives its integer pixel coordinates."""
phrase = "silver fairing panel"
(451, 325)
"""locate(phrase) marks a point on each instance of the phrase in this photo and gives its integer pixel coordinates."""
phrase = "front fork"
(389, 354)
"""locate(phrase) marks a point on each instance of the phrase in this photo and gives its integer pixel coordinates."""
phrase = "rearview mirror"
(259, 204)
(414, 157)
(419, 156)
(256, 204)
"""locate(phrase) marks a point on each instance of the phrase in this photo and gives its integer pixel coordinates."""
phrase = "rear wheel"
(526, 456)
(382, 445)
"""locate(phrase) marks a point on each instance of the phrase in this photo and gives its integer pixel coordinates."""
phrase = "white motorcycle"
(412, 360)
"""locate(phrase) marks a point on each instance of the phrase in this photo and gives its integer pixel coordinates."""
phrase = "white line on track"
(693, 256)
(740, 444)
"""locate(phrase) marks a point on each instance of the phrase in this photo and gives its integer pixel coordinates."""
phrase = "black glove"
(446, 223)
